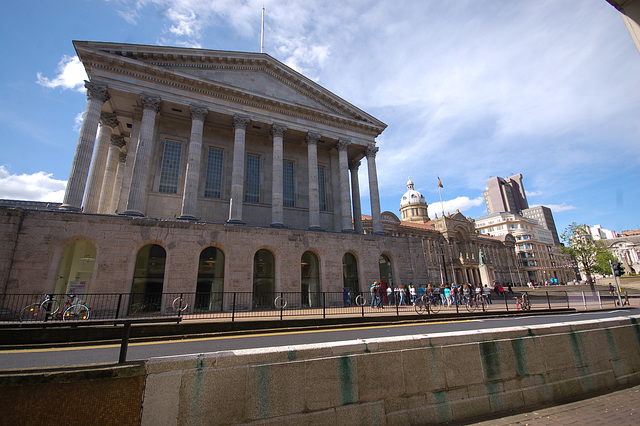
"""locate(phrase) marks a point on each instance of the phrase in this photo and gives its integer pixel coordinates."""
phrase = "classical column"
(373, 189)
(115, 197)
(314, 194)
(277, 210)
(132, 147)
(240, 124)
(192, 179)
(96, 172)
(108, 183)
(139, 177)
(96, 96)
(345, 198)
(355, 192)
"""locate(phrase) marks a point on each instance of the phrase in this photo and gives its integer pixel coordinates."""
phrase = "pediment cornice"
(170, 66)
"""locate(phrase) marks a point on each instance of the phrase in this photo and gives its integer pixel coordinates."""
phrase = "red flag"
(440, 183)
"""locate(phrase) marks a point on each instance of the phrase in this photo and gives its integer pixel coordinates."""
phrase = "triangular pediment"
(255, 76)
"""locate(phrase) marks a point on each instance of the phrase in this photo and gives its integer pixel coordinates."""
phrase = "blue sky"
(469, 90)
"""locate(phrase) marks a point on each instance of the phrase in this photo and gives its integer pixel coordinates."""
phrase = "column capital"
(150, 102)
(343, 144)
(117, 141)
(354, 165)
(241, 122)
(278, 130)
(108, 119)
(199, 112)
(96, 91)
(122, 158)
(371, 151)
(312, 138)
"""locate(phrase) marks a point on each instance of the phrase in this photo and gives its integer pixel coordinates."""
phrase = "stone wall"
(402, 380)
(106, 396)
(35, 242)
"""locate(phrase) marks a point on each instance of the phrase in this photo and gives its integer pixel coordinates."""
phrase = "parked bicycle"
(478, 302)
(50, 307)
(428, 304)
(523, 303)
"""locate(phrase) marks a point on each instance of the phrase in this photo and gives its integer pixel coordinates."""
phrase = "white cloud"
(77, 122)
(71, 75)
(533, 193)
(450, 206)
(557, 208)
(38, 186)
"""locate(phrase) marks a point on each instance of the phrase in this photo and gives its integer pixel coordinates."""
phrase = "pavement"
(616, 409)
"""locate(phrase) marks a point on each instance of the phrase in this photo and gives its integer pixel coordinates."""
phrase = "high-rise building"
(544, 217)
(505, 195)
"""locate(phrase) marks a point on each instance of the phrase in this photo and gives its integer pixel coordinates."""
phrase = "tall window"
(287, 184)
(322, 191)
(213, 178)
(252, 179)
(170, 167)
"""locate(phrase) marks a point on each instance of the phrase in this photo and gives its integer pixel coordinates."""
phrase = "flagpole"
(262, 31)
(440, 192)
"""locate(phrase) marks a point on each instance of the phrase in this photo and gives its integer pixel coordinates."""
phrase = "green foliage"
(603, 257)
(583, 249)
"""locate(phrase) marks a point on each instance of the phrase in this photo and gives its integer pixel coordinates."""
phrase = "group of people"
(449, 294)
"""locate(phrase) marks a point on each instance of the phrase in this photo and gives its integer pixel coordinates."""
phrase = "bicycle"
(523, 303)
(50, 307)
(476, 302)
(428, 304)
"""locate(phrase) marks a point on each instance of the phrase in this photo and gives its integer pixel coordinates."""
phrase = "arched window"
(76, 268)
(264, 273)
(384, 266)
(350, 274)
(210, 285)
(310, 279)
(148, 279)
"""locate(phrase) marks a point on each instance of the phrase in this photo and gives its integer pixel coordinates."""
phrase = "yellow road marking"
(204, 339)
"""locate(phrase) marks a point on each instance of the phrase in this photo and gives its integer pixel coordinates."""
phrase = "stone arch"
(350, 273)
(148, 279)
(310, 279)
(264, 278)
(210, 281)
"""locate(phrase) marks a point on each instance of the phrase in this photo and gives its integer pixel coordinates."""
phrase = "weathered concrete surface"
(400, 380)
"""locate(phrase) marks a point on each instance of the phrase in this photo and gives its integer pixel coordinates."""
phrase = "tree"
(583, 249)
(603, 257)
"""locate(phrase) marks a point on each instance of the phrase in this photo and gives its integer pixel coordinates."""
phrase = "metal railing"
(277, 305)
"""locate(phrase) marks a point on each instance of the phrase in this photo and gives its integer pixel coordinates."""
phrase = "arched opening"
(148, 279)
(386, 275)
(310, 279)
(264, 282)
(210, 284)
(350, 275)
(76, 268)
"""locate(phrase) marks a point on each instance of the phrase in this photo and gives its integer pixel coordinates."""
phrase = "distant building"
(413, 206)
(544, 217)
(538, 255)
(627, 251)
(599, 233)
(505, 195)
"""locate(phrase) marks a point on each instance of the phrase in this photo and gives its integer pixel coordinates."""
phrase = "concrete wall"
(400, 380)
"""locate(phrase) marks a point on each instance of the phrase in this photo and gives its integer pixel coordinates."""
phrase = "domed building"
(413, 206)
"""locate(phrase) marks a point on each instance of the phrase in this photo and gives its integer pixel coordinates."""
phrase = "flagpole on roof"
(440, 191)
(262, 31)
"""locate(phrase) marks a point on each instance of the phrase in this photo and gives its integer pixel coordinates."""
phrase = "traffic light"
(618, 269)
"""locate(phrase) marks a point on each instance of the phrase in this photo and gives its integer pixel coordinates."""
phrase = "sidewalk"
(616, 408)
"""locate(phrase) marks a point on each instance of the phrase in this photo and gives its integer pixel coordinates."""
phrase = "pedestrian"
(447, 296)
(510, 288)
(372, 292)
(412, 293)
(486, 292)
(390, 295)
(346, 300)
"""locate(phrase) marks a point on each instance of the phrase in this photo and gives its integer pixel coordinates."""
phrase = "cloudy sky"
(469, 89)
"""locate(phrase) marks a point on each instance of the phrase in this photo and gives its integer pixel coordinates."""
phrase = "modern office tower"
(505, 195)
(544, 216)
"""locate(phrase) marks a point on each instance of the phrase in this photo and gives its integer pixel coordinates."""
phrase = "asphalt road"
(108, 354)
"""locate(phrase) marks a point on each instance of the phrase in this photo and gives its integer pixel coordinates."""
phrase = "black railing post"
(362, 306)
(118, 307)
(566, 293)
(125, 342)
(180, 306)
(548, 301)
(506, 303)
(233, 308)
(324, 305)
(456, 299)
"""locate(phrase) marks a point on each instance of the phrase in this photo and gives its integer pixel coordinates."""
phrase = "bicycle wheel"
(420, 307)
(32, 312)
(526, 305)
(76, 312)
(360, 300)
(472, 305)
(51, 306)
(434, 306)
(179, 304)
